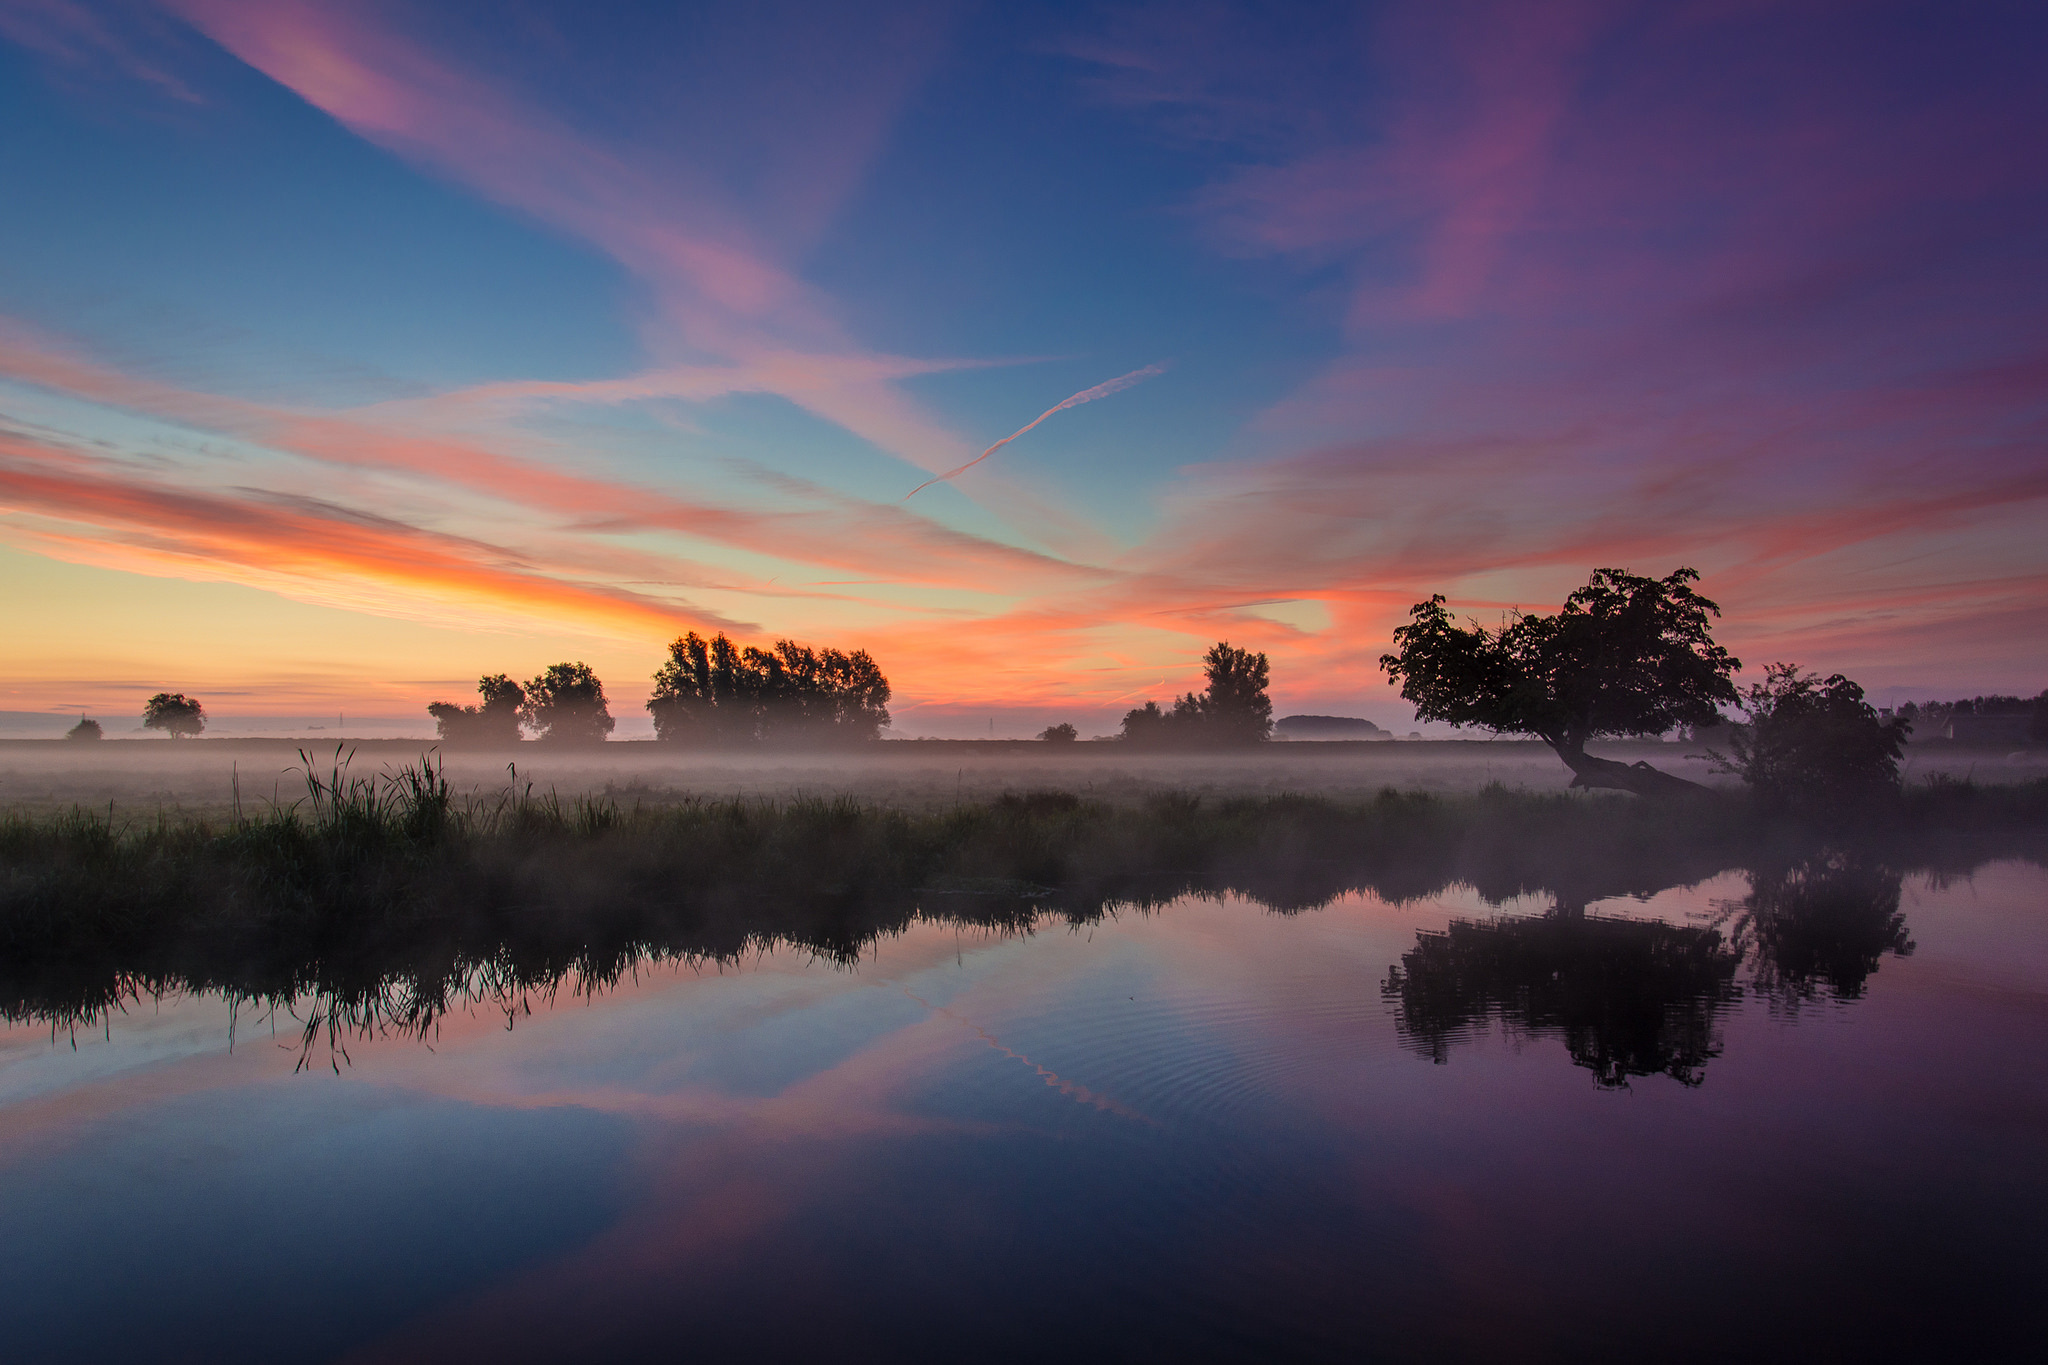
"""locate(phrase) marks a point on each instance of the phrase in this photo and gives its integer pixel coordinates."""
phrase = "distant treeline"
(717, 693)
(709, 692)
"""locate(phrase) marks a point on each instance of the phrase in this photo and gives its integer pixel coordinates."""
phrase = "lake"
(1795, 1115)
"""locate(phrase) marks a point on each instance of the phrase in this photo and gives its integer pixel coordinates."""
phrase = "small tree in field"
(494, 721)
(1062, 733)
(1626, 656)
(1233, 710)
(175, 713)
(1814, 743)
(566, 705)
(85, 730)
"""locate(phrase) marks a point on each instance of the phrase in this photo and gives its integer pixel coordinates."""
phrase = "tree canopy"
(715, 692)
(85, 730)
(1232, 710)
(565, 705)
(495, 720)
(1626, 655)
(175, 713)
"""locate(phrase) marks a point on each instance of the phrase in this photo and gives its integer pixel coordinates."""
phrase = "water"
(1788, 1117)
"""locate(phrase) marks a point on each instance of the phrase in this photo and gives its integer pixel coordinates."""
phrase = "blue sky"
(467, 338)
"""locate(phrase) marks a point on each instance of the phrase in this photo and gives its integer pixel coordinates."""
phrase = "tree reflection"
(1628, 997)
(1820, 926)
(1636, 998)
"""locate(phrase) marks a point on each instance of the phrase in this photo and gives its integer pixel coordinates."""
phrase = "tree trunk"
(1640, 778)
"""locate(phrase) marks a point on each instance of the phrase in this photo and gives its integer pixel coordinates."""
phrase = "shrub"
(85, 730)
(1813, 742)
(1059, 734)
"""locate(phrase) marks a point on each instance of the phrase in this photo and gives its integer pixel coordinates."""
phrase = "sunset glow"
(350, 351)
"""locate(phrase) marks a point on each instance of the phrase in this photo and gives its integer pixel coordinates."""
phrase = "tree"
(1233, 710)
(713, 691)
(1814, 743)
(494, 721)
(566, 705)
(1062, 733)
(85, 730)
(174, 712)
(1626, 656)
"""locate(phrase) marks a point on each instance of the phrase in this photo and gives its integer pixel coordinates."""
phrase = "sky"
(351, 351)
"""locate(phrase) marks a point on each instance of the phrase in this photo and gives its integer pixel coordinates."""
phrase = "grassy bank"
(389, 896)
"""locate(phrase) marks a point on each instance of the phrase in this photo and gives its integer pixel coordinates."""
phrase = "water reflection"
(1633, 998)
(1628, 997)
(1821, 926)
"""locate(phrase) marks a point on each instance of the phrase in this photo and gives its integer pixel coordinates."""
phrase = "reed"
(388, 897)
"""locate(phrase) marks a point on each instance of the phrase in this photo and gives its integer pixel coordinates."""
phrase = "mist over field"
(197, 777)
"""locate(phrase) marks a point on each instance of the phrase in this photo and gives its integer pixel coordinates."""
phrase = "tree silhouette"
(1628, 997)
(1062, 733)
(175, 713)
(85, 730)
(713, 692)
(1626, 656)
(565, 705)
(1233, 710)
(494, 721)
(1813, 743)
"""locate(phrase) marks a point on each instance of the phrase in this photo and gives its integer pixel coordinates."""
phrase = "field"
(199, 777)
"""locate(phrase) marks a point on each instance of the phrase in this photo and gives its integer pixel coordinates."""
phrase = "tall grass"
(386, 898)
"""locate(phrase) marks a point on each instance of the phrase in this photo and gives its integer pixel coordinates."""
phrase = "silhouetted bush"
(85, 730)
(1814, 743)
(1062, 733)
(493, 721)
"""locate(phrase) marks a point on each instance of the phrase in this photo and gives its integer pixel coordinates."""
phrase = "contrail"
(1117, 385)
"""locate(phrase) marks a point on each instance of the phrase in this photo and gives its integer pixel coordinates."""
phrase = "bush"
(1813, 742)
(85, 730)
(1059, 734)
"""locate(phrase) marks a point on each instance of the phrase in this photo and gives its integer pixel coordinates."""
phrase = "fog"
(198, 777)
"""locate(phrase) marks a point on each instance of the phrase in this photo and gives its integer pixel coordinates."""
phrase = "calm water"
(1799, 1119)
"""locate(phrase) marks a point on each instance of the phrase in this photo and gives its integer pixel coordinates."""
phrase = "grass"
(387, 898)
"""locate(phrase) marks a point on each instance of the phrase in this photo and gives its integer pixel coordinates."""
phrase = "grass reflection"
(379, 904)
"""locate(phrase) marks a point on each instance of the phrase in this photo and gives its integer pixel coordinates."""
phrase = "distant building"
(1328, 727)
(2006, 729)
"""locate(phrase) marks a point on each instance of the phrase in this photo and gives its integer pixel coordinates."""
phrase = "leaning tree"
(1626, 656)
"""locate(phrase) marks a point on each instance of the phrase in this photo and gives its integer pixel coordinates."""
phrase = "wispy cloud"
(1102, 390)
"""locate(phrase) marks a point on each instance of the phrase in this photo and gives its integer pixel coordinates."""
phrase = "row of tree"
(709, 692)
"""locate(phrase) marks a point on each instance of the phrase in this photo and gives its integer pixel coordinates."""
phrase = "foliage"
(1626, 655)
(85, 730)
(1063, 733)
(493, 721)
(174, 712)
(1232, 710)
(1814, 743)
(712, 692)
(565, 705)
